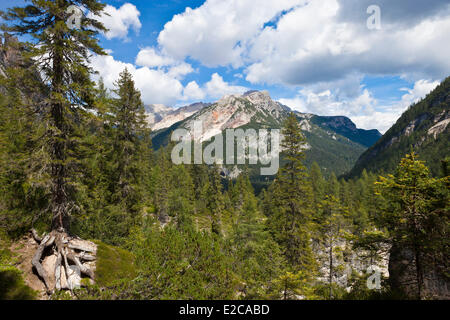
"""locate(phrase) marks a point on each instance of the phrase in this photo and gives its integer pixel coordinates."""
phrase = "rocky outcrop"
(347, 261)
(438, 128)
(156, 112)
(160, 116)
(9, 51)
(234, 111)
(403, 275)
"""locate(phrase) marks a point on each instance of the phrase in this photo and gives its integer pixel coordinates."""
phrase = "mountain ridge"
(330, 143)
(424, 127)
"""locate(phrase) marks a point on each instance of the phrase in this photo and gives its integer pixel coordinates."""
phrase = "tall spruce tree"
(292, 221)
(130, 133)
(23, 194)
(417, 217)
(61, 55)
(215, 200)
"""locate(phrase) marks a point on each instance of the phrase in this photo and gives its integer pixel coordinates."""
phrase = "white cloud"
(120, 21)
(156, 86)
(312, 44)
(180, 70)
(192, 92)
(151, 58)
(159, 86)
(297, 42)
(420, 90)
(217, 87)
(214, 89)
(365, 111)
(218, 32)
(148, 57)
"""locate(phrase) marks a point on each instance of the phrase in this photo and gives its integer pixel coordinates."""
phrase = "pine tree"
(317, 186)
(333, 186)
(292, 221)
(215, 201)
(200, 178)
(128, 119)
(258, 258)
(332, 227)
(247, 215)
(162, 181)
(22, 189)
(182, 198)
(416, 214)
(61, 56)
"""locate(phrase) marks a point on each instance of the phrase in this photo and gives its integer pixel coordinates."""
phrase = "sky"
(327, 57)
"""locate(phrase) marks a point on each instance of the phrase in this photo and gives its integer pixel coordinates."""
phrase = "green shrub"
(113, 263)
(12, 285)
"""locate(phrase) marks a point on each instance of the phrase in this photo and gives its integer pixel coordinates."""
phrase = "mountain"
(424, 127)
(157, 112)
(345, 127)
(235, 111)
(160, 116)
(10, 55)
(333, 142)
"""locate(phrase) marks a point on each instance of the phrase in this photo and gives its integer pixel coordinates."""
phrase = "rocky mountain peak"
(339, 122)
(158, 108)
(9, 52)
(160, 116)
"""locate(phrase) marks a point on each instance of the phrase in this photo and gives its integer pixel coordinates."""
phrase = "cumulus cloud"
(217, 87)
(363, 109)
(311, 44)
(218, 32)
(420, 90)
(192, 92)
(149, 57)
(156, 86)
(120, 21)
(302, 42)
(214, 89)
(163, 86)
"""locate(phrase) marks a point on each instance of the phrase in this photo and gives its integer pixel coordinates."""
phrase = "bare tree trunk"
(59, 141)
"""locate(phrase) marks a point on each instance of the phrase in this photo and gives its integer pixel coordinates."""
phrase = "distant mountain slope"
(326, 142)
(424, 127)
(345, 127)
(156, 112)
(160, 116)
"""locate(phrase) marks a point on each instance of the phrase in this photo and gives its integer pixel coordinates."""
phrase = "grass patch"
(13, 287)
(113, 264)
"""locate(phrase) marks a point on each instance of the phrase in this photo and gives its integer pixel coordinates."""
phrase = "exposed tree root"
(66, 249)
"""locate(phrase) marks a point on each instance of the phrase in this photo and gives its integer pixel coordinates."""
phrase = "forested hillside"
(424, 128)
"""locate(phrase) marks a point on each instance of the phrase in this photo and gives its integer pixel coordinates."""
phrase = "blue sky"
(316, 56)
